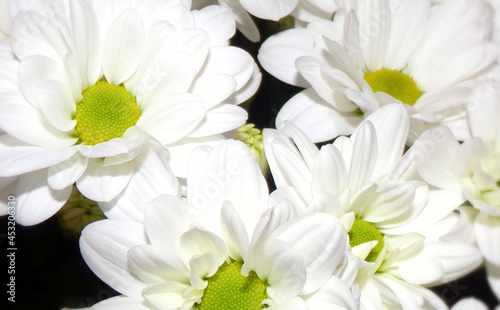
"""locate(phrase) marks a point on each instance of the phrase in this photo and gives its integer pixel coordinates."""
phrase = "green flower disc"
(394, 83)
(227, 289)
(362, 232)
(105, 112)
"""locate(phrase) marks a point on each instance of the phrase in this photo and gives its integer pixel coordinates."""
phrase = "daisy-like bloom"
(264, 9)
(85, 85)
(403, 230)
(222, 247)
(378, 52)
(472, 168)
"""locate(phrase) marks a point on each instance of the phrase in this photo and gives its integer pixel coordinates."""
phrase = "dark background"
(51, 274)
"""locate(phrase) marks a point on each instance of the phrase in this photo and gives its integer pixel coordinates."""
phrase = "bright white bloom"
(86, 84)
(408, 234)
(222, 247)
(264, 9)
(379, 52)
(473, 168)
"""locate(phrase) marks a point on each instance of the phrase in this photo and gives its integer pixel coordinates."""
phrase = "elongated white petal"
(100, 183)
(202, 267)
(167, 296)
(172, 117)
(166, 220)
(122, 302)
(235, 237)
(218, 22)
(220, 119)
(35, 200)
(120, 58)
(228, 172)
(152, 177)
(104, 246)
(156, 265)
(278, 53)
(487, 232)
(67, 172)
(273, 10)
(16, 160)
(197, 242)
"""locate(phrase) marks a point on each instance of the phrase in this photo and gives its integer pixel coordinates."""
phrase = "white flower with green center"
(472, 168)
(86, 83)
(378, 52)
(223, 247)
(402, 229)
(263, 9)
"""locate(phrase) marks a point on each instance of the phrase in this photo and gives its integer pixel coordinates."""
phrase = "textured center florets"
(105, 112)
(362, 232)
(227, 289)
(394, 83)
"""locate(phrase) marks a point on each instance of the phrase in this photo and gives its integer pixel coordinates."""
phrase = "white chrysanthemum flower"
(405, 231)
(264, 9)
(85, 84)
(472, 168)
(379, 52)
(222, 247)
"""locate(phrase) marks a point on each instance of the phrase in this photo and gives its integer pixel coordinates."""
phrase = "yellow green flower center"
(227, 289)
(362, 232)
(105, 112)
(394, 83)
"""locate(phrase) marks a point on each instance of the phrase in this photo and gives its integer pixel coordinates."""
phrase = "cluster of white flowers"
(386, 162)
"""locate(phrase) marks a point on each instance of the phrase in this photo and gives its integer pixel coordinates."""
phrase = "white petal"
(234, 235)
(104, 246)
(167, 74)
(433, 151)
(487, 232)
(35, 200)
(85, 31)
(231, 61)
(166, 296)
(273, 10)
(221, 119)
(329, 173)
(364, 156)
(203, 267)
(197, 242)
(482, 107)
(156, 265)
(213, 88)
(319, 121)
(152, 177)
(122, 303)
(19, 159)
(123, 47)
(19, 119)
(217, 21)
(278, 53)
(100, 183)
(391, 124)
(166, 220)
(469, 303)
(229, 172)
(57, 105)
(319, 240)
(67, 172)
(172, 117)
